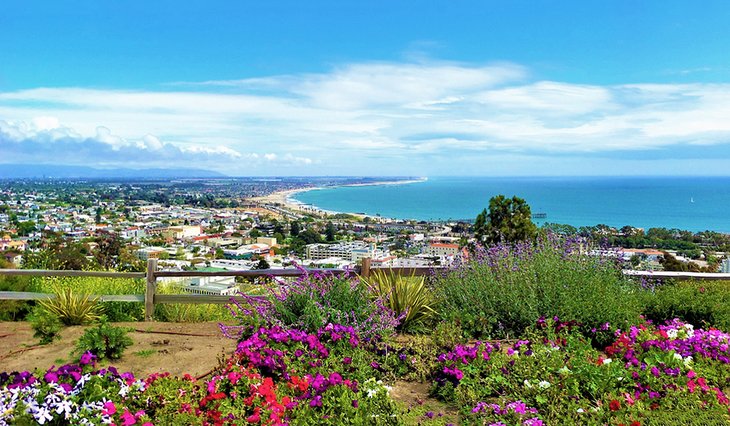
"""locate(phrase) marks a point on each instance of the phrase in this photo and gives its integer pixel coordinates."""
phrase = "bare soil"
(177, 348)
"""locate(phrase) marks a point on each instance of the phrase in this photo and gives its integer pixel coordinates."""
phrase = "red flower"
(255, 417)
(219, 395)
(614, 405)
(635, 423)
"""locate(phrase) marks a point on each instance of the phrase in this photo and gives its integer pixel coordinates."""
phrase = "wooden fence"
(150, 298)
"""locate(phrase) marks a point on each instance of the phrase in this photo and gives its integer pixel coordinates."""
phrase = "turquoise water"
(691, 203)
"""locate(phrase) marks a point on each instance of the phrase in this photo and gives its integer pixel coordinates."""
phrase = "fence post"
(149, 294)
(365, 268)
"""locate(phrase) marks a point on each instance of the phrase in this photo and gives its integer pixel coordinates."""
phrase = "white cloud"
(364, 118)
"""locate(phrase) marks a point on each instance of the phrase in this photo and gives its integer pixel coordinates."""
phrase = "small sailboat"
(692, 200)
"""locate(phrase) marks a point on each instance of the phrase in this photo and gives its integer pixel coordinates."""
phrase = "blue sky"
(369, 88)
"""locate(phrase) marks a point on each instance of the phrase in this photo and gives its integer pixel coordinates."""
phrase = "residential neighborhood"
(105, 225)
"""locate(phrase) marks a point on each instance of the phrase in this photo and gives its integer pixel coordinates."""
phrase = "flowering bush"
(501, 290)
(515, 412)
(670, 368)
(278, 376)
(314, 300)
(71, 394)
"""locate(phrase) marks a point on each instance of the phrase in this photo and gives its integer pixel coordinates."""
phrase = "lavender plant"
(313, 301)
(501, 290)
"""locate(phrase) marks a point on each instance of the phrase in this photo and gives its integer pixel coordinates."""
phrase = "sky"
(376, 88)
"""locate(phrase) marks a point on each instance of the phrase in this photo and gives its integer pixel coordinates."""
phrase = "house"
(650, 255)
(441, 250)
(7, 243)
(182, 232)
(133, 233)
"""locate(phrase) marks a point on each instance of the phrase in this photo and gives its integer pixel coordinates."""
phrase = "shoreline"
(285, 197)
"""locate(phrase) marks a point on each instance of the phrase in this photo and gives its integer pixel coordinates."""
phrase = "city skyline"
(339, 88)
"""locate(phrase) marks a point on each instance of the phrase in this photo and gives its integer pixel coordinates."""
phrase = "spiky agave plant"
(407, 296)
(72, 308)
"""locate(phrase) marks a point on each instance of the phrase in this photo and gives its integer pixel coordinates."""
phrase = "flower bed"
(670, 369)
(552, 375)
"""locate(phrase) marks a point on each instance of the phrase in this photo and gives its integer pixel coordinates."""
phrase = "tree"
(263, 264)
(310, 236)
(107, 251)
(330, 232)
(507, 220)
(26, 228)
(295, 228)
(219, 254)
(278, 228)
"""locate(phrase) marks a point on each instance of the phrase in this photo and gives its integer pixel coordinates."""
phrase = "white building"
(354, 251)
(441, 250)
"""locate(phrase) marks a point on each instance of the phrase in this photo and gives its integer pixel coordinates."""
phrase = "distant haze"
(29, 171)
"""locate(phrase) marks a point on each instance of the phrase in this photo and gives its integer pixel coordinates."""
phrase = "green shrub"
(504, 289)
(697, 302)
(114, 311)
(72, 308)
(14, 310)
(45, 324)
(104, 341)
(408, 297)
(314, 300)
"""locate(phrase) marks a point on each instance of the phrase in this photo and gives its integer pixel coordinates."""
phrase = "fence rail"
(151, 298)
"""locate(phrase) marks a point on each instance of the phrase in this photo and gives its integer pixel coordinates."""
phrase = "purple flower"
(50, 377)
(87, 358)
(316, 401)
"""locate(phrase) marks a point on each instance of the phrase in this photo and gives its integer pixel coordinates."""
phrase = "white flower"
(580, 410)
(564, 370)
(607, 361)
(677, 356)
(672, 333)
(64, 407)
(42, 415)
(544, 384)
(527, 384)
(372, 393)
(688, 361)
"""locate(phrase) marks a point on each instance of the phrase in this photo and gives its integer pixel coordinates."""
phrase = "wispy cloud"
(364, 118)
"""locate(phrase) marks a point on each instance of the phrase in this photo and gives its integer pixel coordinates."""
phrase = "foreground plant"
(502, 290)
(648, 371)
(409, 297)
(104, 341)
(72, 308)
(71, 394)
(314, 300)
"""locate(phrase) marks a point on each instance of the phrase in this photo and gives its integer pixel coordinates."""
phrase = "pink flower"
(87, 358)
(128, 418)
(109, 408)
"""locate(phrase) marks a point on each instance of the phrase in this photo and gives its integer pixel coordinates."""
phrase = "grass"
(145, 353)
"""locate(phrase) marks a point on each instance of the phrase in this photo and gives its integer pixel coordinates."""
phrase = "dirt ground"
(177, 348)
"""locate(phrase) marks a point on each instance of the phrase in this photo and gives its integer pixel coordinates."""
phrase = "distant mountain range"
(31, 171)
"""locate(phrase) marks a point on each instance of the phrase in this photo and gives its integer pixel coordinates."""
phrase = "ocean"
(689, 203)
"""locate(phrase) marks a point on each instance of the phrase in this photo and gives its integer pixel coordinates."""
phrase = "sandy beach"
(285, 197)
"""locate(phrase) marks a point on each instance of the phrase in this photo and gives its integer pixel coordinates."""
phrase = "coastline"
(285, 198)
